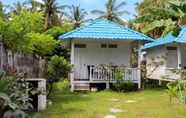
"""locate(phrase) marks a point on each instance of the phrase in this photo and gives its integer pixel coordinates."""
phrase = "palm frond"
(98, 12)
(121, 5)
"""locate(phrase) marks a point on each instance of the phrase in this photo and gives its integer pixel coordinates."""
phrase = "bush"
(15, 100)
(63, 86)
(122, 85)
(58, 69)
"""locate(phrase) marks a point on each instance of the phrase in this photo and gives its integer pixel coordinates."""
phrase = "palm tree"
(52, 11)
(2, 13)
(113, 11)
(77, 15)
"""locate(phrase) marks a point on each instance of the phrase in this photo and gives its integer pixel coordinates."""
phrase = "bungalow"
(97, 49)
(166, 56)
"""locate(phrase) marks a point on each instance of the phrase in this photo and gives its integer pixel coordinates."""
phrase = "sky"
(90, 5)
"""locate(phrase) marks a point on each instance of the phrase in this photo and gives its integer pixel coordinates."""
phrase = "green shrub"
(58, 69)
(122, 85)
(63, 86)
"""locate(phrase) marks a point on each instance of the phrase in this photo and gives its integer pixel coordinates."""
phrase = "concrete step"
(82, 86)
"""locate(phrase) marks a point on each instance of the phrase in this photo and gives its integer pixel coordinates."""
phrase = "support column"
(72, 62)
(139, 64)
(107, 85)
(179, 56)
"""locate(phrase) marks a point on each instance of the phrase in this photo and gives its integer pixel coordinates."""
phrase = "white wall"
(183, 56)
(159, 54)
(94, 54)
(156, 55)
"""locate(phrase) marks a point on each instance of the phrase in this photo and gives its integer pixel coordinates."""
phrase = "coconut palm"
(52, 11)
(76, 15)
(113, 11)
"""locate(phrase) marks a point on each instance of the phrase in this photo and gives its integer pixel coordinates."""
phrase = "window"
(172, 57)
(80, 45)
(103, 45)
(113, 45)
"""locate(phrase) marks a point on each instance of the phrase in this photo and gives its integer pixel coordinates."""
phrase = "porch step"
(81, 86)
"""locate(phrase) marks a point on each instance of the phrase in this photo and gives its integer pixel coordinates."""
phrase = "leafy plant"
(122, 85)
(58, 68)
(16, 100)
(172, 90)
(41, 44)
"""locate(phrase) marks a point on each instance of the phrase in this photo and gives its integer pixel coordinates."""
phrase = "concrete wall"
(19, 62)
(93, 54)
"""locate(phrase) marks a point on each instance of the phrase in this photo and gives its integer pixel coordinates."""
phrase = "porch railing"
(108, 73)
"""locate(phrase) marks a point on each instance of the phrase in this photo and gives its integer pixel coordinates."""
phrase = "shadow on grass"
(60, 96)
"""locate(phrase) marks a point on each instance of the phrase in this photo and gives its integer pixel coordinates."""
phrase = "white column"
(72, 62)
(179, 56)
(139, 64)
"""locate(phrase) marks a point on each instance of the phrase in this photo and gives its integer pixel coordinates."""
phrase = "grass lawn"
(144, 104)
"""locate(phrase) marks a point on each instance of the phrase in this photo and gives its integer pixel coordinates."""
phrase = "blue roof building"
(101, 42)
(168, 39)
(165, 55)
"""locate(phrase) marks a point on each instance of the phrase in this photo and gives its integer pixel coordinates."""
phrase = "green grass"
(149, 104)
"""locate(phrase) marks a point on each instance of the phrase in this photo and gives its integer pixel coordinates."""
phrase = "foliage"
(14, 31)
(51, 11)
(122, 85)
(41, 44)
(56, 31)
(160, 17)
(58, 68)
(113, 11)
(63, 86)
(172, 89)
(77, 15)
(16, 99)
(61, 51)
(177, 89)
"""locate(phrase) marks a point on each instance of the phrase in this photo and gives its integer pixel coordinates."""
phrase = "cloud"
(40, 1)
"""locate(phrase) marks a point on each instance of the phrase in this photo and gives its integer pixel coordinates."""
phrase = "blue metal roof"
(168, 39)
(104, 29)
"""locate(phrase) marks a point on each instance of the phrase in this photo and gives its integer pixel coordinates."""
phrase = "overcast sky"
(91, 5)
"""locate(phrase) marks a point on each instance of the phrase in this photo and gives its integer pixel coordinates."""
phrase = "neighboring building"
(97, 45)
(166, 56)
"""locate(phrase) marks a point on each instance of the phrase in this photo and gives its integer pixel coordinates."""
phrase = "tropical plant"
(58, 68)
(51, 11)
(113, 11)
(16, 99)
(41, 44)
(165, 16)
(77, 15)
(14, 31)
(56, 31)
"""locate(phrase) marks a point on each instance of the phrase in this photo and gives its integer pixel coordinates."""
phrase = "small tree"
(58, 68)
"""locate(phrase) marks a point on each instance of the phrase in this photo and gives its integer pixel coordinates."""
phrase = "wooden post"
(72, 62)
